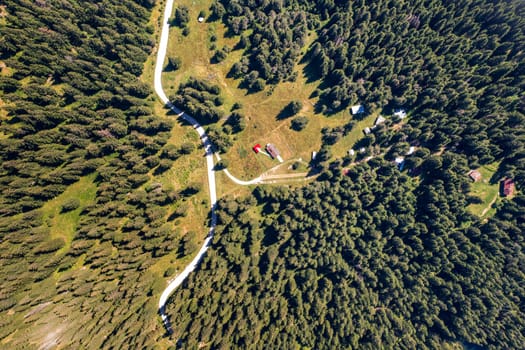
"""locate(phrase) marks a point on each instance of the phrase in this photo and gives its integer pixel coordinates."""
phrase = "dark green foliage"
(187, 148)
(169, 271)
(198, 98)
(181, 17)
(50, 246)
(274, 43)
(222, 164)
(192, 188)
(237, 122)
(174, 63)
(219, 56)
(188, 245)
(171, 152)
(290, 110)
(217, 11)
(299, 123)
(220, 140)
(368, 253)
(258, 85)
(295, 107)
(236, 106)
(70, 204)
(76, 106)
(442, 62)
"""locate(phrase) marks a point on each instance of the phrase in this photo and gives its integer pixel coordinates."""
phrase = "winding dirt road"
(159, 67)
(161, 55)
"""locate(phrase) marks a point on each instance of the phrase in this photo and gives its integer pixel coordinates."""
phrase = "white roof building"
(401, 113)
(400, 162)
(411, 150)
(357, 109)
(351, 152)
(380, 120)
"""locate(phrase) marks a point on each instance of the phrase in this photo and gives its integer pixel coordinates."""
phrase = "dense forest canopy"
(364, 260)
(368, 256)
(457, 66)
(77, 131)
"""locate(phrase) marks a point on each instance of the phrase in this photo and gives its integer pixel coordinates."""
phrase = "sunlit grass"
(486, 190)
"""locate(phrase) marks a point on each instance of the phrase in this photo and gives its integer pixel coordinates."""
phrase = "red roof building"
(257, 148)
(507, 187)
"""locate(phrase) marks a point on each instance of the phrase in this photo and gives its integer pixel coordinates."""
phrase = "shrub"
(187, 148)
(169, 271)
(222, 164)
(219, 56)
(50, 246)
(295, 107)
(70, 204)
(299, 123)
(236, 105)
(174, 63)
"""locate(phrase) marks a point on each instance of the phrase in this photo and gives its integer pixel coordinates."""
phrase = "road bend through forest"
(208, 147)
(161, 54)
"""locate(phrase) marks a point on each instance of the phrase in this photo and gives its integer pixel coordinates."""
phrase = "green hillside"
(366, 256)
(382, 243)
(93, 201)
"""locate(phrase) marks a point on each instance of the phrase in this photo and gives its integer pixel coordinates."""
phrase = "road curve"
(161, 55)
(236, 180)
(255, 181)
(208, 147)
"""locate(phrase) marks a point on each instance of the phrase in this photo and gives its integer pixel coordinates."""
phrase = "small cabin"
(400, 113)
(357, 109)
(273, 151)
(400, 162)
(507, 187)
(474, 175)
(380, 120)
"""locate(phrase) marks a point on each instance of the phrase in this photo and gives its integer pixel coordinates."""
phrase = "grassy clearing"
(485, 189)
(228, 188)
(260, 109)
(63, 224)
(342, 147)
(185, 170)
